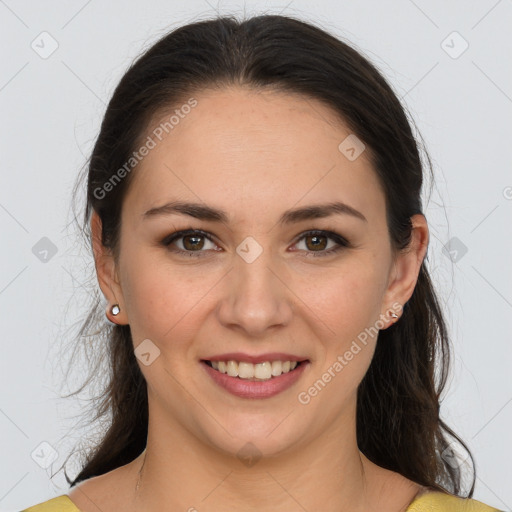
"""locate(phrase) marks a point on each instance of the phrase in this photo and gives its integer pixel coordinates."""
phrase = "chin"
(256, 438)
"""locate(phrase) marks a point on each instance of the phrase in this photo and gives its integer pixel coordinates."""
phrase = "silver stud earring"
(115, 309)
(393, 315)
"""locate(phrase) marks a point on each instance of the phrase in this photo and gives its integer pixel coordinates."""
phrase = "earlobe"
(111, 312)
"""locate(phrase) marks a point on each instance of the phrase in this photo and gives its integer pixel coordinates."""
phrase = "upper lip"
(247, 358)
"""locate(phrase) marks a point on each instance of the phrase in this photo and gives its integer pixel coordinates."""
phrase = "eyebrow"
(203, 212)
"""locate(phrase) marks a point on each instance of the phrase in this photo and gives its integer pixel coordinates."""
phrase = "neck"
(179, 472)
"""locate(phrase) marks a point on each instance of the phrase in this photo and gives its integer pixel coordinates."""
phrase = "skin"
(253, 154)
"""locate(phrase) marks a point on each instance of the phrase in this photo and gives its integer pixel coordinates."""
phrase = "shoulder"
(110, 491)
(58, 504)
(435, 501)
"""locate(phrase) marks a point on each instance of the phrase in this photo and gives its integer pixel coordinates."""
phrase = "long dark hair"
(398, 424)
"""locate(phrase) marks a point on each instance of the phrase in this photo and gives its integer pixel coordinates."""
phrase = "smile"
(255, 380)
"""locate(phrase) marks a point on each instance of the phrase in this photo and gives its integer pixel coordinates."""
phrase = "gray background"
(51, 108)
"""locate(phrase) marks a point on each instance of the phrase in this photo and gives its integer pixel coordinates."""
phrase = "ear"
(106, 272)
(406, 267)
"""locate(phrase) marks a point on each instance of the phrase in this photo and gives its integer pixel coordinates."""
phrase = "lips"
(256, 388)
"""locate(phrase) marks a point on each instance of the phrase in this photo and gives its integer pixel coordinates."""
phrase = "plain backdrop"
(450, 62)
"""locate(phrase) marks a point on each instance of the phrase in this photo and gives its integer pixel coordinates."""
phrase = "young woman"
(256, 222)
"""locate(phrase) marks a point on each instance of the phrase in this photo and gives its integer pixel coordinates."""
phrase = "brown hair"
(398, 425)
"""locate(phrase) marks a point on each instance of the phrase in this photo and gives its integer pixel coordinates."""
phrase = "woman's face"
(256, 172)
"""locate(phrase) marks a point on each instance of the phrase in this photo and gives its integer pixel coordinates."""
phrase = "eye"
(189, 242)
(321, 243)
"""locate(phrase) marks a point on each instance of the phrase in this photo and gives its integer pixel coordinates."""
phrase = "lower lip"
(256, 389)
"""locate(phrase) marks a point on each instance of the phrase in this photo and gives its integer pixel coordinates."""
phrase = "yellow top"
(58, 504)
(428, 502)
(434, 501)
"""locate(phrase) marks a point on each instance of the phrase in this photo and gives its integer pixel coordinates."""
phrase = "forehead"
(251, 151)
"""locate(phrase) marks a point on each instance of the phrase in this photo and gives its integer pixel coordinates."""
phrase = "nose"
(255, 298)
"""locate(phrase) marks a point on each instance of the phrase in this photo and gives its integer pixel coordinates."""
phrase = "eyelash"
(338, 239)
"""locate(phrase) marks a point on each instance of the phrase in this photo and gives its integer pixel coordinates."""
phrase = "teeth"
(245, 370)
(277, 368)
(263, 370)
(232, 368)
(260, 371)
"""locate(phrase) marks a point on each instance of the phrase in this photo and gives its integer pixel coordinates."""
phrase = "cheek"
(346, 299)
(348, 304)
(163, 299)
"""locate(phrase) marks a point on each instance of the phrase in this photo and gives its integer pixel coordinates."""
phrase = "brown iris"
(317, 242)
(192, 242)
